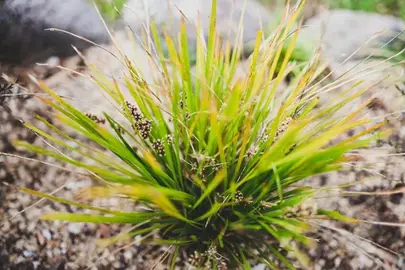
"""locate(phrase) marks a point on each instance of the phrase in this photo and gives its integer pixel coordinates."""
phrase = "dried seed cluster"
(194, 167)
(306, 209)
(169, 139)
(212, 252)
(264, 137)
(267, 204)
(134, 111)
(251, 152)
(159, 147)
(95, 118)
(195, 258)
(239, 196)
(182, 99)
(213, 164)
(283, 127)
(142, 125)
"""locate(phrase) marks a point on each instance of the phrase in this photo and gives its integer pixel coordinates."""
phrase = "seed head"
(95, 118)
(211, 161)
(195, 258)
(144, 127)
(159, 147)
(182, 98)
(283, 127)
(307, 209)
(222, 265)
(211, 252)
(169, 139)
(251, 152)
(194, 167)
(239, 196)
(134, 111)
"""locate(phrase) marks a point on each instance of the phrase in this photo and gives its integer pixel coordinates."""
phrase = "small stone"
(20, 244)
(47, 234)
(36, 264)
(75, 185)
(63, 248)
(31, 226)
(116, 265)
(22, 226)
(27, 253)
(56, 252)
(49, 254)
(128, 255)
(338, 261)
(6, 226)
(75, 228)
(111, 258)
(53, 61)
(333, 243)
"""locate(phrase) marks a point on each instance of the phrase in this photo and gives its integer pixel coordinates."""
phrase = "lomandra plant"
(215, 159)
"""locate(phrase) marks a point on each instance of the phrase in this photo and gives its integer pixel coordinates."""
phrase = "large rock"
(229, 12)
(349, 38)
(342, 32)
(23, 39)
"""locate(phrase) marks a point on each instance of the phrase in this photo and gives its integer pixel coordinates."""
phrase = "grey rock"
(259, 267)
(27, 253)
(342, 32)
(47, 234)
(75, 228)
(171, 12)
(23, 39)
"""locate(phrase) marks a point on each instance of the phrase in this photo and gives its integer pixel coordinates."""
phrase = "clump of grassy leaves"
(216, 160)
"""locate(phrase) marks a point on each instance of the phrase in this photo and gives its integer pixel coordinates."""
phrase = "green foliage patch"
(216, 159)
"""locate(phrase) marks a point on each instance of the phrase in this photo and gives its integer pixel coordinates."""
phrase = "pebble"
(137, 241)
(6, 226)
(53, 61)
(27, 253)
(36, 264)
(22, 226)
(259, 267)
(57, 252)
(128, 255)
(75, 228)
(63, 247)
(116, 264)
(30, 246)
(75, 185)
(31, 226)
(47, 234)
(49, 253)
(111, 258)
(333, 243)
(338, 260)
(19, 244)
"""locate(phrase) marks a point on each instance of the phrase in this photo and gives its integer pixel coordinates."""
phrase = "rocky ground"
(28, 243)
